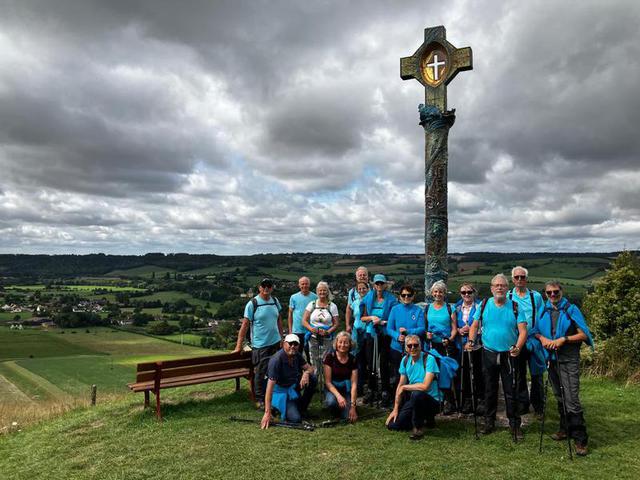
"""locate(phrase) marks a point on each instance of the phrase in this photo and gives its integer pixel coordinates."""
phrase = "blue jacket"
(409, 316)
(389, 301)
(568, 313)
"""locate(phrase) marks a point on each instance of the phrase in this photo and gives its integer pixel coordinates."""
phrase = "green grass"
(145, 271)
(171, 296)
(7, 317)
(119, 440)
(17, 344)
(187, 338)
(75, 375)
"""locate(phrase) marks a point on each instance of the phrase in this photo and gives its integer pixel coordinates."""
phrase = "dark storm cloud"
(148, 120)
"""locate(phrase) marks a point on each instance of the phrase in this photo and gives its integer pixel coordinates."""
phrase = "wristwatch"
(471, 342)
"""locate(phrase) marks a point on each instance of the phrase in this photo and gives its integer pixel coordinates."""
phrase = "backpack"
(447, 365)
(533, 306)
(255, 304)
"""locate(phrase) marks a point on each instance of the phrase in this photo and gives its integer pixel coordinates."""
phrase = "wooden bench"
(154, 376)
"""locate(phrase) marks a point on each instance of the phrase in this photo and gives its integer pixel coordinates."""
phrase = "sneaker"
(418, 434)
(516, 433)
(560, 435)
(488, 427)
(581, 449)
(260, 405)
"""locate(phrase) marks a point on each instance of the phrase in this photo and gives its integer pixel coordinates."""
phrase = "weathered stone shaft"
(436, 127)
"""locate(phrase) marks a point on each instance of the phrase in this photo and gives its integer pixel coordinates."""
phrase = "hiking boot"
(369, 398)
(260, 405)
(559, 436)
(448, 408)
(488, 427)
(581, 449)
(385, 400)
(418, 434)
(467, 407)
(516, 434)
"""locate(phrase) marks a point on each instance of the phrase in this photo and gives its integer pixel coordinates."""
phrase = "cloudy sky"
(234, 127)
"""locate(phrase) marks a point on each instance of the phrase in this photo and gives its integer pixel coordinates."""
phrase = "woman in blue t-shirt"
(441, 326)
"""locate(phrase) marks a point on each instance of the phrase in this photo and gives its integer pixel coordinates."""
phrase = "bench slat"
(191, 379)
(193, 369)
(184, 362)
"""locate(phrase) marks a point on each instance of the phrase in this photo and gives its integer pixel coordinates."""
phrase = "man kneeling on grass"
(417, 395)
(291, 384)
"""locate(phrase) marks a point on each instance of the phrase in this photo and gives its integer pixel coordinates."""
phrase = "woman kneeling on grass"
(417, 396)
(341, 378)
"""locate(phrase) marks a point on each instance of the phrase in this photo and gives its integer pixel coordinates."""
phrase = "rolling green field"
(18, 344)
(51, 365)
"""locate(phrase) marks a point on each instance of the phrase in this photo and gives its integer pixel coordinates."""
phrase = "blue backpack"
(448, 367)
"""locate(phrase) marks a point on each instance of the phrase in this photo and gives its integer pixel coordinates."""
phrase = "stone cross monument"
(434, 65)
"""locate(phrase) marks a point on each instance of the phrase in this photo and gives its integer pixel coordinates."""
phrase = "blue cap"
(378, 277)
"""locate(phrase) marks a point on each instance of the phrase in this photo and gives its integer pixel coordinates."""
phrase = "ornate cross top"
(435, 64)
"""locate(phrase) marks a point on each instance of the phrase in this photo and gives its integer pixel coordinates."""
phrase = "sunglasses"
(406, 295)
(552, 292)
(411, 346)
(294, 344)
(519, 277)
(467, 292)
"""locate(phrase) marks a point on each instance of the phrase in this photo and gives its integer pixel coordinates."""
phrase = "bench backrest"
(191, 366)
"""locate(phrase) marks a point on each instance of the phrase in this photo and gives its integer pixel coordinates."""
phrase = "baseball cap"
(378, 277)
(292, 338)
(266, 282)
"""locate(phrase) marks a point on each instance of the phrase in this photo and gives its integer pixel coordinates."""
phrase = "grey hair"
(340, 335)
(553, 283)
(502, 276)
(363, 268)
(519, 267)
(439, 285)
(413, 337)
(322, 283)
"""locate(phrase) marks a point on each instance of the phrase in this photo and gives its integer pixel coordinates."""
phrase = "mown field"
(51, 366)
(120, 440)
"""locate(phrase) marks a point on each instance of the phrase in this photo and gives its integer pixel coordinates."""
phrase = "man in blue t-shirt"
(417, 395)
(504, 333)
(297, 303)
(291, 384)
(362, 275)
(530, 303)
(262, 315)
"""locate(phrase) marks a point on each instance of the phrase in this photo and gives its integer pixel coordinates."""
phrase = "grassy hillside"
(118, 440)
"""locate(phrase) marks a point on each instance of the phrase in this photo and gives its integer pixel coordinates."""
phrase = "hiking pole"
(564, 406)
(453, 384)
(473, 396)
(544, 405)
(514, 392)
(294, 426)
(344, 421)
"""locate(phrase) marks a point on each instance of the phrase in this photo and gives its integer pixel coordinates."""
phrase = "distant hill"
(101, 264)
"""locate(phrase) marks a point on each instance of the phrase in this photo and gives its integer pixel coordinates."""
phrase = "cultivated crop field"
(51, 367)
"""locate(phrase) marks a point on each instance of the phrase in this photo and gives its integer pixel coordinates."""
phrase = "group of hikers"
(420, 361)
